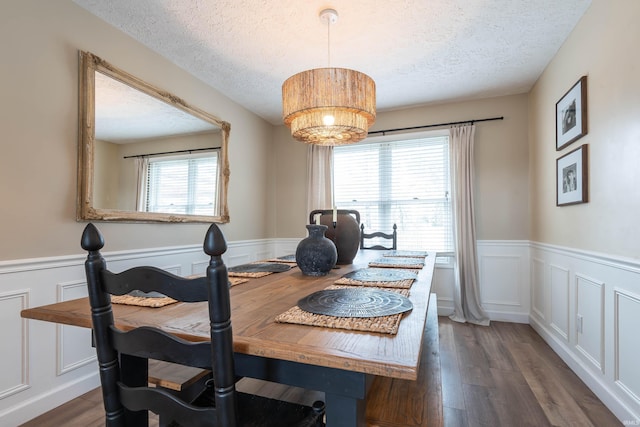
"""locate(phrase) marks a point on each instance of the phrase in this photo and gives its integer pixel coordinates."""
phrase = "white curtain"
(142, 168)
(466, 299)
(319, 177)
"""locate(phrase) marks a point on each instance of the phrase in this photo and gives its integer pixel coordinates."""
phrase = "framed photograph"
(572, 177)
(571, 115)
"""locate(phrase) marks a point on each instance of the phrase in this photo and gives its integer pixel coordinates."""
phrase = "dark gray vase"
(346, 233)
(316, 255)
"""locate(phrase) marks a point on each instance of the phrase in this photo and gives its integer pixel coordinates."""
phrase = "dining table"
(340, 362)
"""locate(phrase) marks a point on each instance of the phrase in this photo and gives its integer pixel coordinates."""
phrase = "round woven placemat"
(284, 258)
(396, 284)
(355, 302)
(382, 324)
(260, 267)
(396, 262)
(257, 269)
(407, 254)
(380, 275)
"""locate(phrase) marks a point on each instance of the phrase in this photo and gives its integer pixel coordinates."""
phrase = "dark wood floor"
(506, 375)
(502, 375)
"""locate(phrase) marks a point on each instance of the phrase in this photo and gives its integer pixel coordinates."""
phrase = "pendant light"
(329, 106)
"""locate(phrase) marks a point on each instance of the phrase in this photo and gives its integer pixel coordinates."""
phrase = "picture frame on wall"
(572, 177)
(571, 115)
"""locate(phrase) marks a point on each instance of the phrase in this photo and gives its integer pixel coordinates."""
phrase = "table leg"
(343, 411)
(345, 391)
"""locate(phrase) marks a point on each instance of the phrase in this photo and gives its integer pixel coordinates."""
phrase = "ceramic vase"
(316, 255)
(345, 235)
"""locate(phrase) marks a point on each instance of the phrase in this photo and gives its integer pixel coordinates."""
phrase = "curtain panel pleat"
(319, 178)
(467, 306)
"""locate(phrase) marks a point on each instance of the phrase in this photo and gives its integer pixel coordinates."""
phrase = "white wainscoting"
(503, 268)
(14, 335)
(46, 364)
(586, 306)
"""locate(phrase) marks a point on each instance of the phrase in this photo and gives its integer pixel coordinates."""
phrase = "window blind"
(183, 184)
(403, 181)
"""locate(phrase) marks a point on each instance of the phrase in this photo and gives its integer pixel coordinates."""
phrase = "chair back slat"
(155, 344)
(392, 237)
(162, 402)
(152, 279)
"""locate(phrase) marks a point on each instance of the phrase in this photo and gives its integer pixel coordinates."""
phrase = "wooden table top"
(254, 306)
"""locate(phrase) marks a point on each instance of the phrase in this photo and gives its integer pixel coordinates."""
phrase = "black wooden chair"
(123, 356)
(393, 237)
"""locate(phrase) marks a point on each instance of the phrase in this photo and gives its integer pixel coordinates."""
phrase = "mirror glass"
(145, 154)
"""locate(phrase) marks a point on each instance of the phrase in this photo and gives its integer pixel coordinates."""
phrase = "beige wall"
(38, 121)
(501, 161)
(290, 159)
(604, 47)
(268, 169)
(107, 176)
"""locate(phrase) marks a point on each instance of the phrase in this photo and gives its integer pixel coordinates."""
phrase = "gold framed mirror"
(145, 154)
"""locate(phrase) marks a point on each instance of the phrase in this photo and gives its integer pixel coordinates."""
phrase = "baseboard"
(445, 308)
(595, 384)
(499, 316)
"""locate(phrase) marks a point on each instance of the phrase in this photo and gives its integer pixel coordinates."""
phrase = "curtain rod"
(172, 152)
(383, 132)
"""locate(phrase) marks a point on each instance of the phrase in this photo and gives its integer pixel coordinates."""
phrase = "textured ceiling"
(417, 51)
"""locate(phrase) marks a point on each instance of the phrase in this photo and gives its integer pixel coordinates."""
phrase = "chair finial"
(92, 239)
(214, 242)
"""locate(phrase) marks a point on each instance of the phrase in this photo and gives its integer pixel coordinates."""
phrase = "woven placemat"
(237, 280)
(391, 262)
(258, 269)
(232, 280)
(251, 275)
(289, 259)
(142, 301)
(406, 254)
(161, 301)
(381, 324)
(398, 284)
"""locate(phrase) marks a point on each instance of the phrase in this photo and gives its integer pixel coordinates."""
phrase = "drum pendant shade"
(329, 106)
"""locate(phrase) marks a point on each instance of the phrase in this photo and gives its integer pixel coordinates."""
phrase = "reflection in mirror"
(145, 154)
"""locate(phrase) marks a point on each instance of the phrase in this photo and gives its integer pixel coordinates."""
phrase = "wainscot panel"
(503, 267)
(504, 279)
(586, 306)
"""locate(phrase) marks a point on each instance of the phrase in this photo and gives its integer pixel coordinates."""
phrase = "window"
(184, 184)
(403, 181)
